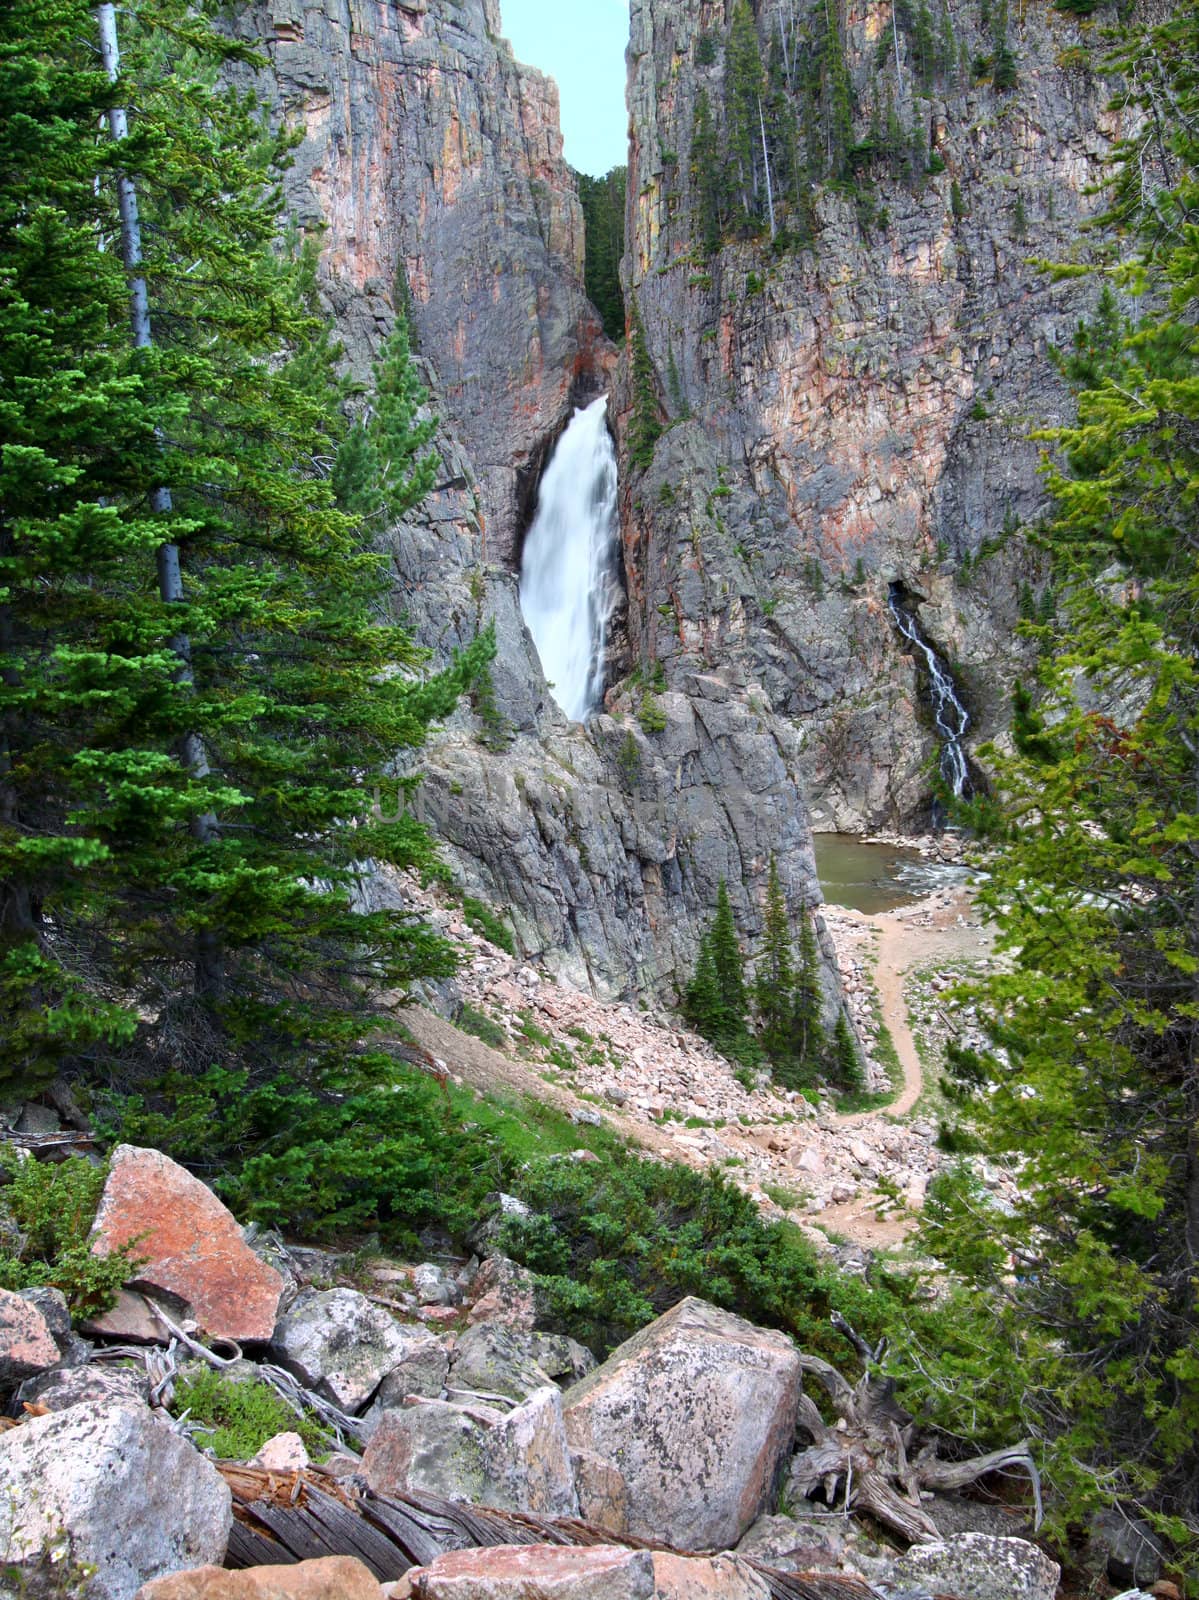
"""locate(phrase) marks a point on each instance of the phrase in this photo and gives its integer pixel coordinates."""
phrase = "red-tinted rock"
(328, 1578)
(27, 1346)
(537, 1572)
(192, 1245)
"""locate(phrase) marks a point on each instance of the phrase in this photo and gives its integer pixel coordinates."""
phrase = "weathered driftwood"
(280, 1518)
(865, 1459)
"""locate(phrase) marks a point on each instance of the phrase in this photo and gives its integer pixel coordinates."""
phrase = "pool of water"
(875, 877)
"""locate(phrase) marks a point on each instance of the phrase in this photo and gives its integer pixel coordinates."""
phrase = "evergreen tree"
(645, 426)
(716, 1001)
(705, 176)
(383, 466)
(744, 88)
(847, 1073)
(775, 977)
(729, 963)
(603, 202)
(1091, 1087)
(807, 1030)
(194, 910)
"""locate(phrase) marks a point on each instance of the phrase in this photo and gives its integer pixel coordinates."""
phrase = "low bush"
(241, 1415)
(49, 1209)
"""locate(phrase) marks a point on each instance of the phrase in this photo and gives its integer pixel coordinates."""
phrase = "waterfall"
(568, 570)
(949, 714)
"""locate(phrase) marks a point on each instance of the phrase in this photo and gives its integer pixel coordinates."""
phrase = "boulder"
(190, 1244)
(133, 1318)
(422, 1372)
(503, 1292)
(516, 1461)
(433, 1286)
(329, 1578)
(340, 1344)
(603, 1572)
(285, 1452)
(27, 1342)
(94, 1384)
(115, 1487)
(697, 1412)
(563, 1358)
(537, 1572)
(1124, 1549)
(978, 1566)
(492, 1358)
(603, 1493)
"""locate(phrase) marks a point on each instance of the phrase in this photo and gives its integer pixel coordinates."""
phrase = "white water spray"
(568, 583)
(949, 713)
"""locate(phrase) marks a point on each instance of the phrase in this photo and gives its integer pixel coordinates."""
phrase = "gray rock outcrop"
(517, 1461)
(697, 1414)
(110, 1486)
(340, 1344)
(978, 1566)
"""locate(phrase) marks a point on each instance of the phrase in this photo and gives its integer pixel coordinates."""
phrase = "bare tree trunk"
(193, 756)
(766, 162)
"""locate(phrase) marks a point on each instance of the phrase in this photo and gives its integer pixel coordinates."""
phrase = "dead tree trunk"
(865, 1460)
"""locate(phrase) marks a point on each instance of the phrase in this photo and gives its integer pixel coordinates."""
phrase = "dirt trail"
(941, 928)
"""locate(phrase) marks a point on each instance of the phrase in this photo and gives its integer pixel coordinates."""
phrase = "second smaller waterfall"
(949, 714)
(568, 582)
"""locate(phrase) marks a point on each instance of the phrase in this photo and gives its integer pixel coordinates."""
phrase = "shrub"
(242, 1415)
(52, 1207)
(488, 924)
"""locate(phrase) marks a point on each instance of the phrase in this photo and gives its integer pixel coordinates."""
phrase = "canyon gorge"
(843, 420)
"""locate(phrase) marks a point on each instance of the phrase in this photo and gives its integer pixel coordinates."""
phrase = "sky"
(581, 44)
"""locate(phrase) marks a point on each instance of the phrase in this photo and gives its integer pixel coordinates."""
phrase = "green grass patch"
(242, 1416)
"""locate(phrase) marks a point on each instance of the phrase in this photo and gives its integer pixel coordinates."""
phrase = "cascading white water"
(949, 713)
(568, 582)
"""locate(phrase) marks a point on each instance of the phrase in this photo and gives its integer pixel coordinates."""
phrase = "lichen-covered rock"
(977, 1566)
(697, 1412)
(27, 1342)
(329, 1578)
(190, 1245)
(115, 1488)
(517, 1461)
(95, 1384)
(422, 1370)
(340, 1344)
(285, 1452)
(503, 1292)
(492, 1358)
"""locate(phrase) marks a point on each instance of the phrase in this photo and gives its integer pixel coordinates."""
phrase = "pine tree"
(807, 1029)
(775, 978)
(1091, 1086)
(383, 466)
(702, 1004)
(744, 88)
(645, 425)
(705, 176)
(603, 202)
(847, 1073)
(730, 964)
(157, 909)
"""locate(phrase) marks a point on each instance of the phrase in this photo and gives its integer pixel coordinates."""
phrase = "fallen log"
(281, 1518)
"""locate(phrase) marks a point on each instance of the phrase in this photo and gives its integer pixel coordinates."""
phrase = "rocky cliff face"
(434, 162)
(863, 400)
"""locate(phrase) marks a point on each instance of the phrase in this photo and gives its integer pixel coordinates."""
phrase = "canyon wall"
(862, 401)
(433, 163)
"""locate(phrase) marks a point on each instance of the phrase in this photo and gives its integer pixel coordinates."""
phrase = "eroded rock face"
(115, 1488)
(340, 1344)
(434, 159)
(191, 1245)
(697, 1413)
(330, 1578)
(517, 1461)
(868, 397)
